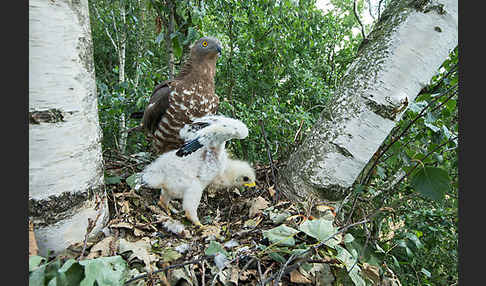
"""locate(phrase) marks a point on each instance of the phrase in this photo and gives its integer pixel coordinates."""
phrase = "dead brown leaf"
(101, 249)
(122, 225)
(156, 210)
(257, 205)
(138, 232)
(130, 194)
(372, 272)
(211, 230)
(234, 275)
(125, 207)
(271, 190)
(141, 249)
(297, 277)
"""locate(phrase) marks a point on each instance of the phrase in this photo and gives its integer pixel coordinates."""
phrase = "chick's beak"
(252, 184)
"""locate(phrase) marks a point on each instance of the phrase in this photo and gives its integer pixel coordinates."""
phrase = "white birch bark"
(65, 163)
(405, 49)
(123, 135)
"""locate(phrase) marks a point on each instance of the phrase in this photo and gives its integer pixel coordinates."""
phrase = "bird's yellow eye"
(204, 44)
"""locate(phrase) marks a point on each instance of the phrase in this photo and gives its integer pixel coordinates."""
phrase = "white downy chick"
(185, 173)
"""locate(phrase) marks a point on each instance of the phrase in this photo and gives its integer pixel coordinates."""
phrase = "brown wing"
(214, 110)
(157, 106)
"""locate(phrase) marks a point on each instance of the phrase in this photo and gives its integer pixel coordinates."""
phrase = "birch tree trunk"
(65, 164)
(123, 135)
(407, 46)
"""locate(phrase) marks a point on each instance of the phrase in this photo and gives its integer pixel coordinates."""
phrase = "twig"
(276, 197)
(395, 139)
(260, 272)
(113, 242)
(379, 9)
(359, 21)
(298, 131)
(166, 268)
(413, 168)
(285, 269)
(229, 263)
(89, 228)
(368, 236)
(203, 273)
(352, 208)
(426, 155)
(136, 128)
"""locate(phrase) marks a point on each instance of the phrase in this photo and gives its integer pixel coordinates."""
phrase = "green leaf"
(320, 229)
(71, 273)
(160, 37)
(349, 260)
(426, 272)
(417, 106)
(395, 262)
(35, 261)
(431, 182)
(104, 271)
(215, 247)
(37, 277)
(281, 235)
(348, 238)
(412, 237)
(131, 180)
(277, 257)
(169, 255)
(177, 47)
(112, 180)
(192, 35)
(278, 218)
(432, 127)
(358, 189)
(379, 249)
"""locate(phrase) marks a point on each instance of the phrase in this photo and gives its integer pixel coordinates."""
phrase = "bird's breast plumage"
(186, 103)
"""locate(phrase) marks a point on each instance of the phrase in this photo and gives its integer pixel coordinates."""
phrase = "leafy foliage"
(272, 66)
(431, 182)
(416, 176)
(101, 271)
(281, 62)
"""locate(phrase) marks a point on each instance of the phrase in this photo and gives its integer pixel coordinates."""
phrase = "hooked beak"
(252, 184)
(218, 48)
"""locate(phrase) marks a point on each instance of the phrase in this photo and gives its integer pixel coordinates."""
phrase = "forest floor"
(248, 238)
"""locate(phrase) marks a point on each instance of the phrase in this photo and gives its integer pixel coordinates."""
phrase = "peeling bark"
(402, 53)
(65, 164)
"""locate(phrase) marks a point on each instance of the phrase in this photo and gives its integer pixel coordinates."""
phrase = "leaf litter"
(246, 239)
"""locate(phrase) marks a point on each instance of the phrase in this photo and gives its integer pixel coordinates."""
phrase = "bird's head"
(206, 47)
(240, 173)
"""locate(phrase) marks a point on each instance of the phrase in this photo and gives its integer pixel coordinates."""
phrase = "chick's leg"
(164, 201)
(190, 202)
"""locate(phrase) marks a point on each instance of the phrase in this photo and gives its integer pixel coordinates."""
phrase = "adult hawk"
(185, 173)
(179, 101)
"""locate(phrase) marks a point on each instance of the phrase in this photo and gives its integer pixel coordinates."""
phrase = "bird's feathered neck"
(196, 66)
(185, 70)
